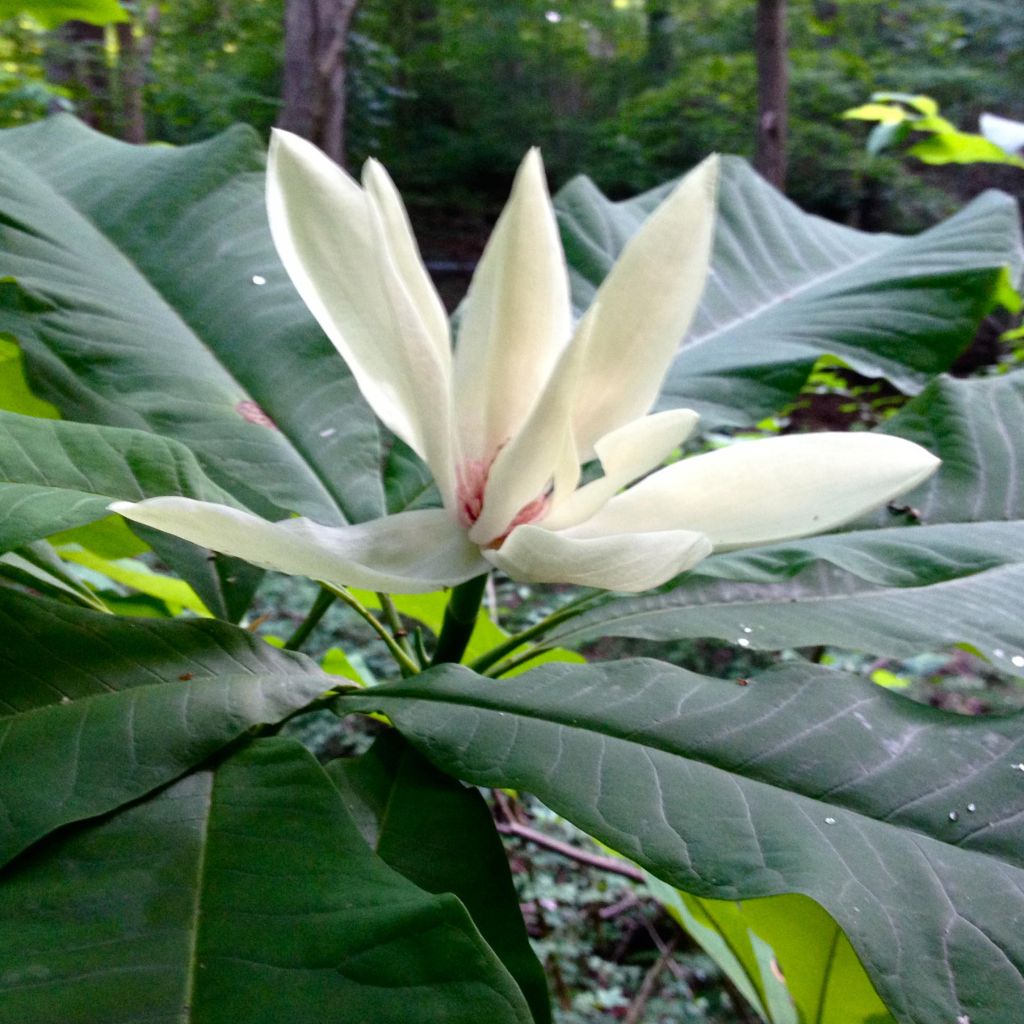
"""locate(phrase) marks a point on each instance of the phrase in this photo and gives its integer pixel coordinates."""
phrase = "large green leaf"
(145, 292)
(899, 819)
(786, 288)
(440, 835)
(241, 894)
(55, 475)
(959, 578)
(982, 610)
(96, 710)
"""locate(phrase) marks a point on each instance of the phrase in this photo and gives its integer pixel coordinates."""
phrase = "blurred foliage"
(631, 92)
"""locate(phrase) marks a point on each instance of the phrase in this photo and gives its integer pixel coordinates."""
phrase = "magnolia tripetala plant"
(508, 419)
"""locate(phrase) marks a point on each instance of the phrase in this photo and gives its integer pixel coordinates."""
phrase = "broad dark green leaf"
(974, 426)
(55, 475)
(899, 819)
(982, 610)
(786, 288)
(241, 894)
(38, 567)
(440, 835)
(146, 293)
(96, 710)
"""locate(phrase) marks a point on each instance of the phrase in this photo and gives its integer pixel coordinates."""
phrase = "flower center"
(471, 483)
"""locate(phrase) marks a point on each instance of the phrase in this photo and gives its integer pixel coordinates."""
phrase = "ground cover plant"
(173, 851)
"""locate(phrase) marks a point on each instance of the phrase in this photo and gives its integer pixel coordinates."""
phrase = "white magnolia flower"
(506, 422)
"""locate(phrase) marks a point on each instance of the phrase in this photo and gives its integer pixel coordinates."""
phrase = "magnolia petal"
(401, 243)
(536, 458)
(757, 492)
(408, 553)
(516, 319)
(1006, 134)
(327, 232)
(644, 308)
(630, 562)
(625, 454)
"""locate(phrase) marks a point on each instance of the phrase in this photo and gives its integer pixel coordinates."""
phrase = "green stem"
(459, 620)
(324, 600)
(567, 611)
(520, 659)
(405, 663)
(394, 621)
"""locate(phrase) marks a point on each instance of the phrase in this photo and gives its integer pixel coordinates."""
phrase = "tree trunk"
(316, 34)
(75, 60)
(134, 52)
(772, 90)
(660, 57)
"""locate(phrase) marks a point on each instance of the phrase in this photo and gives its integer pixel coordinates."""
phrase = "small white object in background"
(1006, 134)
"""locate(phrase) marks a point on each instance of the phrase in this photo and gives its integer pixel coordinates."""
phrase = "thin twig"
(639, 1003)
(398, 630)
(405, 663)
(594, 860)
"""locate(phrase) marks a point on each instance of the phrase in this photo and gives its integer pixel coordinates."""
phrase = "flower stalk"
(459, 620)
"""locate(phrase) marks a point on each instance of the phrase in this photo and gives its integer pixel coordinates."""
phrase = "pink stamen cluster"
(471, 484)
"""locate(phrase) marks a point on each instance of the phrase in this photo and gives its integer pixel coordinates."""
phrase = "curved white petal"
(329, 234)
(756, 492)
(540, 455)
(630, 562)
(405, 252)
(516, 319)
(1006, 134)
(644, 308)
(625, 454)
(408, 553)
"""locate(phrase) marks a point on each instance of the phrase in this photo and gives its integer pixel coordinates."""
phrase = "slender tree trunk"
(660, 57)
(74, 60)
(316, 34)
(134, 51)
(772, 91)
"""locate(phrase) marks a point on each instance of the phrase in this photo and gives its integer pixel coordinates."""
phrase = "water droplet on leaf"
(971, 808)
(830, 821)
(258, 279)
(743, 642)
(1017, 661)
(953, 816)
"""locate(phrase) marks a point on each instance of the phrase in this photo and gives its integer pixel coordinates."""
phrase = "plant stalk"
(405, 663)
(394, 621)
(324, 600)
(459, 620)
(567, 611)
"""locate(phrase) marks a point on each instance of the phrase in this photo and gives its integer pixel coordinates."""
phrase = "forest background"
(449, 93)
